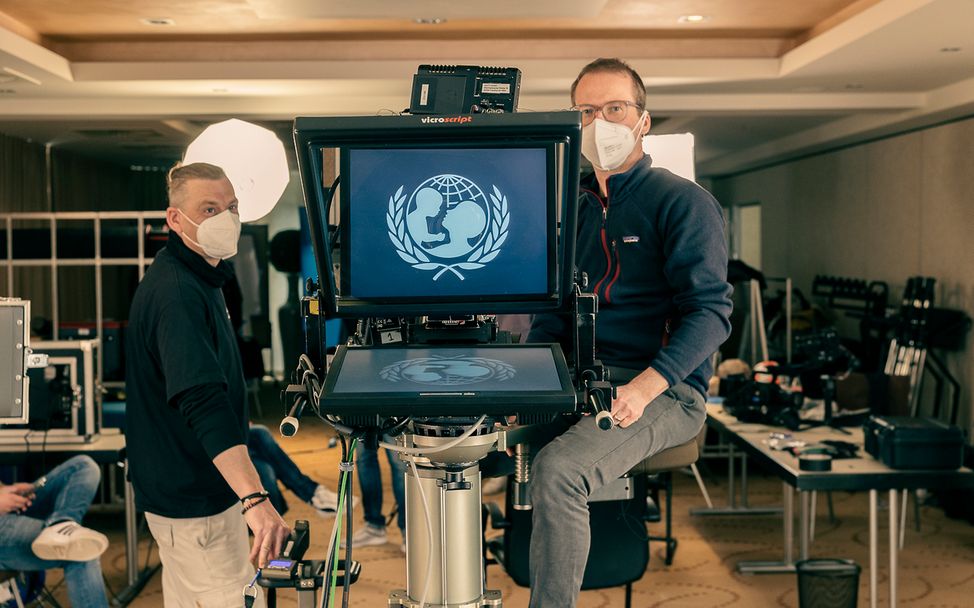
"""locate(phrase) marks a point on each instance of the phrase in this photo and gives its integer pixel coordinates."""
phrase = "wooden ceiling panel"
(871, 67)
(116, 19)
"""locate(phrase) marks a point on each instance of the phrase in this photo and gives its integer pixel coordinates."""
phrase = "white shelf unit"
(98, 262)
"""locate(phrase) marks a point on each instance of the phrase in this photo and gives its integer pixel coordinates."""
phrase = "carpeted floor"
(936, 567)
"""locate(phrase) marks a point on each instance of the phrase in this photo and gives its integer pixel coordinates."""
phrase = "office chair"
(619, 550)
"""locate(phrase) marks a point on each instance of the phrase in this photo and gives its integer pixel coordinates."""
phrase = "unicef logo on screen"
(448, 370)
(448, 224)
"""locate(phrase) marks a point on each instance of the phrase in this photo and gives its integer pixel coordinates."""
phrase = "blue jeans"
(274, 465)
(370, 481)
(66, 497)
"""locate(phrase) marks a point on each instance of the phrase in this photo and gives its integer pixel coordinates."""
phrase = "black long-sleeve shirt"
(186, 397)
(655, 255)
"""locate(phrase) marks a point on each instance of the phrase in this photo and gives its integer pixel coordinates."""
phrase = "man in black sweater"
(186, 422)
(652, 245)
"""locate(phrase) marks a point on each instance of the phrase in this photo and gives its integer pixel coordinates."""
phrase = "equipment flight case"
(902, 442)
(65, 396)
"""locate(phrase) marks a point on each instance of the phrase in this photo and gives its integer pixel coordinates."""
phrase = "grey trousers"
(569, 468)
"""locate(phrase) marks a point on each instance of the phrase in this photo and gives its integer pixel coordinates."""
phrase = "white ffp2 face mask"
(607, 144)
(218, 235)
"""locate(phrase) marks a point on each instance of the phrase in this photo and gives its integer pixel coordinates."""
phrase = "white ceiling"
(749, 96)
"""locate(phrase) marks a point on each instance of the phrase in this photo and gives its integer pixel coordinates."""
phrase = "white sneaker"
(69, 541)
(368, 536)
(326, 501)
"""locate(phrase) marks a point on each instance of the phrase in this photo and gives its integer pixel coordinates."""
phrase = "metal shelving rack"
(97, 262)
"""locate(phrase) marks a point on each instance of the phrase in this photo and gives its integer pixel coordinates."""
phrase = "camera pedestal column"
(450, 481)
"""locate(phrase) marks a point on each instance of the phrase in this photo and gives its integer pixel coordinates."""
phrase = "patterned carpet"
(936, 566)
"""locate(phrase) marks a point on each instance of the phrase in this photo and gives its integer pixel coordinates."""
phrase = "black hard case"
(902, 442)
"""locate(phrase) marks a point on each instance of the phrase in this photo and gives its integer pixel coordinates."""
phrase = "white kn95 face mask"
(607, 144)
(218, 235)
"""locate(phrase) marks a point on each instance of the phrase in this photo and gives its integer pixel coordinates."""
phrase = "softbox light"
(253, 159)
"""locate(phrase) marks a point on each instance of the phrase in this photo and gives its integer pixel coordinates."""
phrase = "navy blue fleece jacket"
(655, 255)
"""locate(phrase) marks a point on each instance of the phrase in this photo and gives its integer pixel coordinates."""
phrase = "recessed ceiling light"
(221, 90)
(429, 21)
(158, 21)
(854, 86)
(693, 18)
(950, 49)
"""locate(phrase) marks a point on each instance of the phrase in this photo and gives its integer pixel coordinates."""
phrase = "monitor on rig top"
(467, 214)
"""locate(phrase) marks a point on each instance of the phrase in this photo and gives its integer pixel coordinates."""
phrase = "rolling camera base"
(490, 599)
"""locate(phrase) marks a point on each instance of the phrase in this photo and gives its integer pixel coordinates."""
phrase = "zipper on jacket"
(605, 241)
(615, 276)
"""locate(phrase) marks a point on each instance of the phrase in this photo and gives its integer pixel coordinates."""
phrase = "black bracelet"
(261, 494)
(253, 504)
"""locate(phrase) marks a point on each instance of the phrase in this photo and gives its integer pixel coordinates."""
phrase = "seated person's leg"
(268, 479)
(370, 482)
(262, 446)
(398, 469)
(62, 504)
(495, 467)
(49, 527)
(567, 470)
(17, 532)
(85, 584)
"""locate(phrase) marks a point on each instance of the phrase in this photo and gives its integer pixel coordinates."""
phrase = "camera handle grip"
(600, 395)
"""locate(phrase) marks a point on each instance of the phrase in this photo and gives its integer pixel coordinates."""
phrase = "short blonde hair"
(180, 174)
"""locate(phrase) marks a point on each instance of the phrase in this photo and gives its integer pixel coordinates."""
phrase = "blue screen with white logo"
(446, 222)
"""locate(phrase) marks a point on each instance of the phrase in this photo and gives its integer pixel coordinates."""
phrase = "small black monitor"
(443, 215)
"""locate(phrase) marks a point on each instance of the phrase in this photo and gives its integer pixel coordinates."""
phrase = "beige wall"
(885, 210)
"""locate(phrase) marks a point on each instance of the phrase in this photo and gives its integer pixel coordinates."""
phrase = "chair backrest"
(619, 550)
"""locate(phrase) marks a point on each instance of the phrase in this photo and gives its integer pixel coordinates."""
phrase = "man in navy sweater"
(652, 245)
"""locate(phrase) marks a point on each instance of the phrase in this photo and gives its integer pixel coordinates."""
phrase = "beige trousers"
(204, 560)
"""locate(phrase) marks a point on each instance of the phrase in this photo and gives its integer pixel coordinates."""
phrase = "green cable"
(338, 523)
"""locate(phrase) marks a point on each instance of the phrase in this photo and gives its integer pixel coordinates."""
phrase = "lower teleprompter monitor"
(442, 215)
(494, 379)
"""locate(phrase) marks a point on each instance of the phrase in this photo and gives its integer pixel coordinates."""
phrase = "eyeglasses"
(613, 111)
